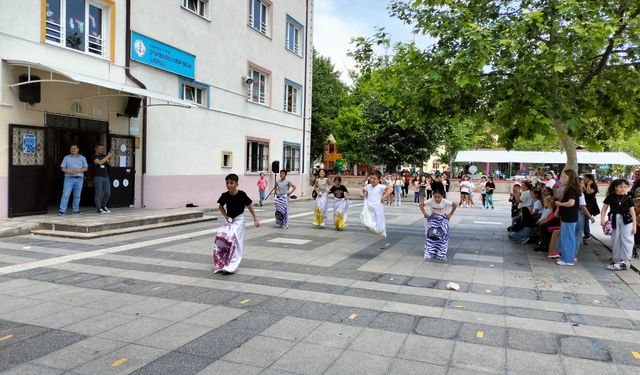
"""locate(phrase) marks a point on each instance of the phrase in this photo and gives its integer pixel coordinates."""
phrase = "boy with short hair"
(374, 195)
(282, 190)
(228, 243)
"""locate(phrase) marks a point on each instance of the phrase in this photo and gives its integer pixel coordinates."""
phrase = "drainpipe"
(127, 70)
(306, 73)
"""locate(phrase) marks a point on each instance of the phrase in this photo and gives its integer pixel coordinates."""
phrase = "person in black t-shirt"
(340, 203)
(228, 244)
(101, 184)
(569, 206)
(623, 221)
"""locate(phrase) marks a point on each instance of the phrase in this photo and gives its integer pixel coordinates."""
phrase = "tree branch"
(597, 68)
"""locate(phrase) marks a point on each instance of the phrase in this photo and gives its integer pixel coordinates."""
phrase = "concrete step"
(95, 226)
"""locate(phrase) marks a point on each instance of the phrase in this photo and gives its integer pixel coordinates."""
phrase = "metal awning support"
(76, 78)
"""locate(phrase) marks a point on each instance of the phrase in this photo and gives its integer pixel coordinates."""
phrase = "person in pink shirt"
(262, 187)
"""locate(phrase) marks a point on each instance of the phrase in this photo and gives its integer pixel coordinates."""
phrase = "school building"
(183, 92)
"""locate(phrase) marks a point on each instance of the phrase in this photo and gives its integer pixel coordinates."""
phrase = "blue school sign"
(162, 56)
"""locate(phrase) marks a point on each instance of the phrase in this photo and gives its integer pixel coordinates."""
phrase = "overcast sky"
(337, 21)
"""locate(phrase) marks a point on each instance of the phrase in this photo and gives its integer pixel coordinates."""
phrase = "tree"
(329, 95)
(537, 67)
(393, 102)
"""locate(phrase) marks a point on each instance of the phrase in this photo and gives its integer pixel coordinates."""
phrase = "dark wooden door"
(27, 171)
(122, 170)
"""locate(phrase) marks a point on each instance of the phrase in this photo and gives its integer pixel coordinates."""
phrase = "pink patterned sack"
(607, 229)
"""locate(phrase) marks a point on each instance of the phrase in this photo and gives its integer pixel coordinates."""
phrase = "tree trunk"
(569, 145)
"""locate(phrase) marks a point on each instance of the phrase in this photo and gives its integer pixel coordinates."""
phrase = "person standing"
(101, 182)
(73, 166)
(623, 221)
(483, 191)
(490, 187)
(262, 187)
(569, 206)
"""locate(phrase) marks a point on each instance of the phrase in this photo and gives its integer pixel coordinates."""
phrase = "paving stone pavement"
(314, 301)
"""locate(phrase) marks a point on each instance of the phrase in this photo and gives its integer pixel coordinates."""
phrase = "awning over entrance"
(544, 157)
(76, 78)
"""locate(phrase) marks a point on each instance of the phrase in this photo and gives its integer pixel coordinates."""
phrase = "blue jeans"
(102, 186)
(261, 195)
(525, 232)
(568, 242)
(416, 197)
(71, 184)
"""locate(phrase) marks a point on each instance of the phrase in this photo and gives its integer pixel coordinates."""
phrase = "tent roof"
(546, 157)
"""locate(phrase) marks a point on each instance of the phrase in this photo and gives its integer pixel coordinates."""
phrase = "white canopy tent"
(543, 157)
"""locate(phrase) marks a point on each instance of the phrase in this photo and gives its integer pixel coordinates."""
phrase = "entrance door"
(27, 171)
(122, 171)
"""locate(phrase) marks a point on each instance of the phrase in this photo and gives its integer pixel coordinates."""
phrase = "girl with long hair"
(569, 206)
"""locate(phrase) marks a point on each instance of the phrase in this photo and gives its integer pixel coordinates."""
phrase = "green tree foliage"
(568, 69)
(328, 97)
(393, 103)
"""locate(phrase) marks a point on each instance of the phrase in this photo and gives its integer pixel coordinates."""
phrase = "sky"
(337, 21)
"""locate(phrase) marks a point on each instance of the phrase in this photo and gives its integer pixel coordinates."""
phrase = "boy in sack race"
(229, 241)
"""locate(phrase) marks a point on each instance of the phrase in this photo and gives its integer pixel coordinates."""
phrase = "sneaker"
(554, 255)
(76, 213)
(101, 211)
(525, 241)
(106, 209)
(625, 267)
(60, 213)
(614, 267)
(561, 263)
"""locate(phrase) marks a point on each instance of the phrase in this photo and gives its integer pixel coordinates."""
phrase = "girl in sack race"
(321, 187)
(229, 241)
(374, 194)
(340, 203)
(437, 212)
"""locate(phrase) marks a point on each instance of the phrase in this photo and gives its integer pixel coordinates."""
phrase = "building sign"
(162, 56)
(29, 144)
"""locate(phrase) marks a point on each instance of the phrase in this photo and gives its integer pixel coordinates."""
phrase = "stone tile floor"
(314, 301)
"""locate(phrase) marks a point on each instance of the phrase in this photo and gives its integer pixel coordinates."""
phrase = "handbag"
(607, 229)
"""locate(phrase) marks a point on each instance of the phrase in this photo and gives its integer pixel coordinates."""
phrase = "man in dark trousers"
(101, 181)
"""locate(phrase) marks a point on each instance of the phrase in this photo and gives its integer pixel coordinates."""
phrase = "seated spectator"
(527, 226)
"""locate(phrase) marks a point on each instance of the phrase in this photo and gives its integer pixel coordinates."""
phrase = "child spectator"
(623, 222)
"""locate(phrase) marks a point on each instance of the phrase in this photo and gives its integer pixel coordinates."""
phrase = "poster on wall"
(29, 144)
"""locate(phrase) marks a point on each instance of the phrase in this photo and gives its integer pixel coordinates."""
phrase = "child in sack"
(228, 243)
(437, 211)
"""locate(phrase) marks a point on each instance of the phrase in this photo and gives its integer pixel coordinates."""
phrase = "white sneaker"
(614, 267)
(561, 263)
(106, 209)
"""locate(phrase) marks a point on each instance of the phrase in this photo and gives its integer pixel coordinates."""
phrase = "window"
(227, 159)
(199, 7)
(291, 157)
(197, 94)
(258, 15)
(293, 39)
(77, 24)
(258, 88)
(257, 156)
(292, 97)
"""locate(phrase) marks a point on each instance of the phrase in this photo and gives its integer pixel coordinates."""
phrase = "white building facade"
(183, 91)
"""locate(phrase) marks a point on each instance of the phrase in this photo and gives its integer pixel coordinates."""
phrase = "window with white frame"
(257, 156)
(291, 157)
(259, 15)
(195, 94)
(257, 91)
(292, 97)
(77, 24)
(293, 40)
(199, 7)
